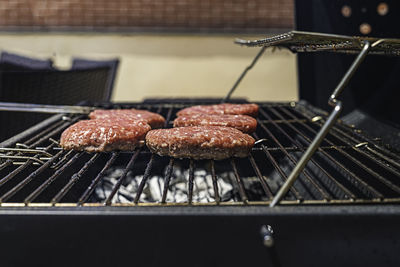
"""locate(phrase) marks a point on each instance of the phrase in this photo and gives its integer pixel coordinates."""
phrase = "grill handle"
(10, 106)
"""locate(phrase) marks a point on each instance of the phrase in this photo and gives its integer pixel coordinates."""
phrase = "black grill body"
(308, 229)
(178, 236)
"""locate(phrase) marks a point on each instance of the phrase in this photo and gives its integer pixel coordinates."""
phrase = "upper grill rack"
(348, 167)
(299, 41)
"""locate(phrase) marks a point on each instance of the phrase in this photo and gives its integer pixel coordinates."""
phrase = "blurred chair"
(35, 82)
(82, 64)
(13, 61)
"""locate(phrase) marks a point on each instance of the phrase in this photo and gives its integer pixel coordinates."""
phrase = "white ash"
(203, 190)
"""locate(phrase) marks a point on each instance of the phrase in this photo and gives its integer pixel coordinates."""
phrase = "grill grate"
(347, 168)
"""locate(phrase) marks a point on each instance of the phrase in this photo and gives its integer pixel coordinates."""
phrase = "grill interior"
(348, 168)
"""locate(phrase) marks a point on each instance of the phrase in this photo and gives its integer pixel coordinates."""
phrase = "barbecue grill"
(137, 207)
(350, 169)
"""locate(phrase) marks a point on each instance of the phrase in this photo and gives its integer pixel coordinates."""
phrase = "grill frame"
(310, 115)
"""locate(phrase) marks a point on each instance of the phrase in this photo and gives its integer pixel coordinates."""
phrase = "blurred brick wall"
(190, 15)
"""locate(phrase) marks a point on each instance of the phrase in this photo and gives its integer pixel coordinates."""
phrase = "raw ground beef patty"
(219, 109)
(243, 123)
(200, 142)
(102, 135)
(153, 119)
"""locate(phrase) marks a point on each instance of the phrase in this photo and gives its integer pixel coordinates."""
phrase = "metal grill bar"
(317, 184)
(215, 184)
(42, 138)
(74, 179)
(121, 179)
(358, 179)
(63, 160)
(309, 180)
(366, 168)
(51, 179)
(96, 180)
(190, 184)
(369, 170)
(24, 182)
(397, 164)
(56, 125)
(265, 186)
(144, 179)
(167, 179)
(383, 165)
(389, 156)
(239, 182)
(344, 189)
(282, 174)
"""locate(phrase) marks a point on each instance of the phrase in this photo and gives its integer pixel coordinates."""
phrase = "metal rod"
(349, 74)
(74, 179)
(96, 180)
(305, 183)
(9, 106)
(365, 167)
(302, 149)
(146, 176)
(282, 174)
(47, 125)
(265, 186)
(51, 179)
(36, 143)
(122, 177)
(239, 181)
(358, 180)
(25, 150)
(326, 127)
(308, 179)
(26, 164)
(24, 182)
(190, 184)
(215, 184)
(366, 154)
(307, 155)
(396, 163)
(167, 179)
(259, 54)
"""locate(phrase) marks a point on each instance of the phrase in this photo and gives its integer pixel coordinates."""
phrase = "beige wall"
(169, 66)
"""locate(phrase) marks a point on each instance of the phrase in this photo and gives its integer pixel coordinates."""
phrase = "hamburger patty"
(220, 109)
(153, 119)
(102, 135)
(200, 142)
(243, 123)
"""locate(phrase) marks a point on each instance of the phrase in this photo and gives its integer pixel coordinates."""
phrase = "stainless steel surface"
(298, 41)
